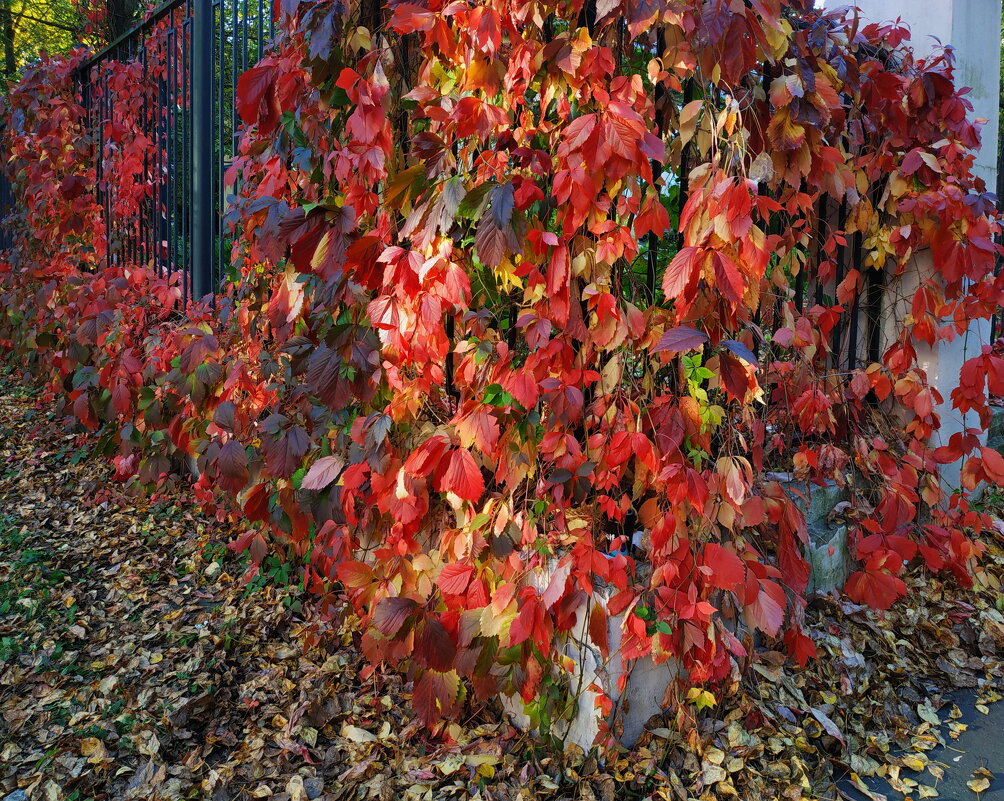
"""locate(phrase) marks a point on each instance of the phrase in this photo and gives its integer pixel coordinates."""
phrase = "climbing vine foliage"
(534, 308)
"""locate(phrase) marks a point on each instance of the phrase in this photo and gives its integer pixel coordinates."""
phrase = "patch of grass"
(12, 537)
(125, 723)
(991, 502)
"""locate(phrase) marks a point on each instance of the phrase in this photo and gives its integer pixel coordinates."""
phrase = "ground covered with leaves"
(134, 663)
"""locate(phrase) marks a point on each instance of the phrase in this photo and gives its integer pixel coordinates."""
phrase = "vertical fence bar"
(998, 315)
(837, 341)
(187, 212)
(219, 76)
(875, 293)
(203, 207)
(189, 114)
(173, 168)
(852, 341)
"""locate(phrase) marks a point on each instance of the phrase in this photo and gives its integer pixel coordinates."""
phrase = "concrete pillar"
(973, 29)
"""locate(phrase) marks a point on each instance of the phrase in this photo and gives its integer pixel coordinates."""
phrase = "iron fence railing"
(6, 208)
(171, 79)
(190, 54)
(242, 31)
(856, 336)
(997, 321)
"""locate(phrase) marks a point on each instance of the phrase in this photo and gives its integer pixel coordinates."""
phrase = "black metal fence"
(813, 280)
(6, 208)
(856, 336)
(172, 80)
(997, 321)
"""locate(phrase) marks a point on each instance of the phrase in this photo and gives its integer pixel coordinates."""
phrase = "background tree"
(54, 26)
(109, 19)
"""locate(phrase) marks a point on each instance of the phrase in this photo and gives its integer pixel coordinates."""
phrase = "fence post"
(203, 201)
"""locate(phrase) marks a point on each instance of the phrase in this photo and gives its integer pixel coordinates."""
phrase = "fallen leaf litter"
(135, 665)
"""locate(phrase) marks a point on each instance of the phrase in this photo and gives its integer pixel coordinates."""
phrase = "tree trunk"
(7, 32)
(122, 15)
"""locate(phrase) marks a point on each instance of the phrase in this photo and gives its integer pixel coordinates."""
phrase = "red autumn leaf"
(652, 217)
(727, 277)
(256, 99)
(794, 568)
(409, 18)
(455, 577)
(323, 472)
(912, 161)
(82, 411)
(435, 696)
(934, 558)
(391, 613)
(734, 377)
(923, 405)
(767, 610)
(680, 339)
(486, 24)
(256, 507)
(599, 629)
(462, 476)
(524, 388)
(800, 646)
(356, 575)
(993, 465)
(121, 398)
(556, 586)
(479, 428)
(878, 589)
(723, 569)
(233, 465)
(679, 283)
(434, 647)
(284, 454)
(530, 621)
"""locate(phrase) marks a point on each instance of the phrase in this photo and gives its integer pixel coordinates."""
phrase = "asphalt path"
(981, 745)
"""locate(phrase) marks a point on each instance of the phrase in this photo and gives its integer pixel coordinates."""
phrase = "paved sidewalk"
(981, 745)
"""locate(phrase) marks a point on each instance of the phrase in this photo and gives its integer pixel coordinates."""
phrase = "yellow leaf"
(713, 774)
(361, 40)
(94, 749)
(451, 764)
(505, 276)
(475, 760)
(357, 735)
(914, 762)
(702, 699)
(485, 772)
(688, 120)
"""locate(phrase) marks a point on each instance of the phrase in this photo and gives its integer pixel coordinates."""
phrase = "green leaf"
(474, 202)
